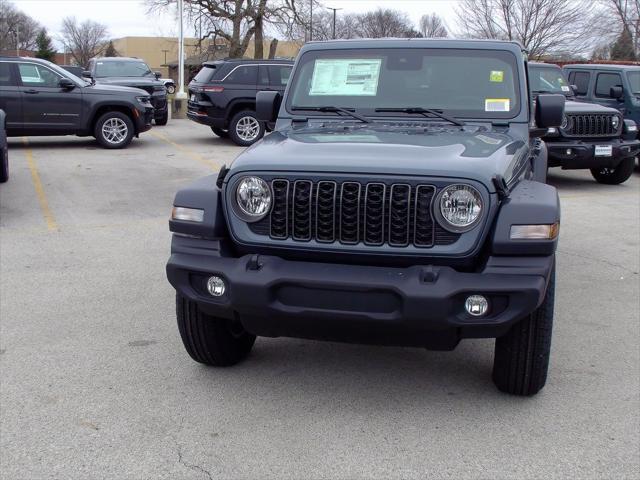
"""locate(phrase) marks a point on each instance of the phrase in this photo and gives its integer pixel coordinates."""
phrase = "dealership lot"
(95, 382)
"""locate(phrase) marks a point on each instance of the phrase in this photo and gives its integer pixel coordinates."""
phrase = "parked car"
(131, 72)
(614, 86)
(591, 136)
(40, 98)
(4, 151)
(223, 96)
(76, 70)
(401, 200)
(169, 84)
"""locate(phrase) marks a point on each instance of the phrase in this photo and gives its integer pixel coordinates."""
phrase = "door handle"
(31, 90)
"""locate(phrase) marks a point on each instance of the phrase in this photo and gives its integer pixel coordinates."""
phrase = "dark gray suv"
(401, 200)
(40, 98)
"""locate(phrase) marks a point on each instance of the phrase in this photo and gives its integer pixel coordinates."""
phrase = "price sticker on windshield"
(497, 105)
(342, 77)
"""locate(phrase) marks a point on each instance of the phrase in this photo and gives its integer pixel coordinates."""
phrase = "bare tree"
(626, 13)
(383, 23)
(84, 40)
(433, 26)
(543, 27)
(17, 29)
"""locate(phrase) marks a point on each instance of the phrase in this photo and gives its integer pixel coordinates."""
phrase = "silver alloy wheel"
(248, 128)
(115, 130)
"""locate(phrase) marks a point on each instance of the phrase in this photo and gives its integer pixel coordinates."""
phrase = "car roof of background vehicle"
(118, 59)
(544, 64)
(479, 44)
(601, 66)
(247, 61)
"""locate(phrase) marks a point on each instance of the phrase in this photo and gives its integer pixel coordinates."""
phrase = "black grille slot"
(592, 125)
(326, 211)
(279, 211)
(423, 221)
(302, 190)
(350, 212)
(399, 212)
(374, 213)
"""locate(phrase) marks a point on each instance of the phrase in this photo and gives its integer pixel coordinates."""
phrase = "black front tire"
(163, 119)
(522, 355)
(171, 89)
(245, 119)
(209, 340)
(220, 132)
(4, 164)
(121, 119)
(614, 176)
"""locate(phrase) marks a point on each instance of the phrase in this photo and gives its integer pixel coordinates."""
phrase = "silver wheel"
(114, 130)
(248, 129)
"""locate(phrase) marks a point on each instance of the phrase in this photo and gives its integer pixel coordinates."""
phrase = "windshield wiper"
(423, 111)
(346, 111)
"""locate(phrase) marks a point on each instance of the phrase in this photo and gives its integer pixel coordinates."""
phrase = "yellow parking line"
(37, 184)
(194, 155)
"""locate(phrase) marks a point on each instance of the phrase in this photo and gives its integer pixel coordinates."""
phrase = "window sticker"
(356, 77)
(565, 88)
(497, 105)
(496, 76)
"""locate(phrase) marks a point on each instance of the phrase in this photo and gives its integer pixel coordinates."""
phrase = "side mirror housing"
(549, 110)
(66, 84)
(86, 74)
(616, 92)
(157, 75)
(268, 105)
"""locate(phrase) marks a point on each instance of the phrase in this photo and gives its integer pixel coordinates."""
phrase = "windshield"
(115, 68)
(634, 81)
(462, 83)
(548, 80)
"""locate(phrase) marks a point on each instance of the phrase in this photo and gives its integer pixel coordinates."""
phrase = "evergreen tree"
(111, 50)
(44, 48)
(622, 49)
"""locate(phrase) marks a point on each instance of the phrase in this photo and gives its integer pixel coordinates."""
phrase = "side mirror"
(549, 110)
(158, 75)
(574, 87)
(616, 92)
(86, 74)
(66, 84)
(268, 105)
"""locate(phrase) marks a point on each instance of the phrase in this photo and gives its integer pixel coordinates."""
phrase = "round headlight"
(459, 207)
(615, 121)
(253, 197)
(565, 122)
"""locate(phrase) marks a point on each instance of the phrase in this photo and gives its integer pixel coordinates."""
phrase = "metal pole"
(181, 93)
(311, 22)
(334, 20)
(17, 40)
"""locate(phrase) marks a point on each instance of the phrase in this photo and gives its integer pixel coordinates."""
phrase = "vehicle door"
(581, 80)
(10, 95)
(603, 82)
(241, 83)
(46, 105)
(274, 77)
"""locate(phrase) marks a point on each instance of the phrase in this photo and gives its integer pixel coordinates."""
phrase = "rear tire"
(114, 130)
(220, 132)
(171, 89)
(521, 358)
(210, 340)
(245, 129)
(163, 119)
(614, 176)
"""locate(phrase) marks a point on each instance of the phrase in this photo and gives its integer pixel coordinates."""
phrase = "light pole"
(311, 22)
(334, 20)
(181, 95)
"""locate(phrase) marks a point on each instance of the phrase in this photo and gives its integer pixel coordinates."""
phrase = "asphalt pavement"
(95, 383)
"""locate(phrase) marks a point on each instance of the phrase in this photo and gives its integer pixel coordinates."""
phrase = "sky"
(130, 18)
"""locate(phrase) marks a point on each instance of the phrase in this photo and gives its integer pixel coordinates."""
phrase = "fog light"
(476, 305)
(216, 286)
(569, 151)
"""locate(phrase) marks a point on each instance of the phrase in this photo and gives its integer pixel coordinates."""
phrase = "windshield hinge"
(501, 186)
(221, 175)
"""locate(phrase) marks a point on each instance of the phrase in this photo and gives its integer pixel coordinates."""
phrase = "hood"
(472, 152)
(583, 107)
(101, 88)
(129, 81)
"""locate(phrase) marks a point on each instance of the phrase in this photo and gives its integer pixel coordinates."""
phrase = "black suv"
(40, 98)
(591, 136)
(131, 72)
(223, 96)
(4, 153)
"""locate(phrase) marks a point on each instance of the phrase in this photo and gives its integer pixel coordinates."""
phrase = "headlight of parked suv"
(459, 207)
(615, 121)
(145, 100)
(565, 123)
(253, 199)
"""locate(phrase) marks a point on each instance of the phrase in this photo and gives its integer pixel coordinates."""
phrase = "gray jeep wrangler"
(401, 200)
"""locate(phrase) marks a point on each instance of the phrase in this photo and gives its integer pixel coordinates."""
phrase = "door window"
(604, 83)
(5, 75)
(581, 81)
(33, 75)
(279, 74)
(245, 74)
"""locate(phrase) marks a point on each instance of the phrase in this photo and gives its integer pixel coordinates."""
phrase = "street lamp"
(181, 95)
(334, 20)
(16, 32)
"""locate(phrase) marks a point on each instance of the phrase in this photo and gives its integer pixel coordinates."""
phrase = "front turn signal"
(535, 232)
(187, 214)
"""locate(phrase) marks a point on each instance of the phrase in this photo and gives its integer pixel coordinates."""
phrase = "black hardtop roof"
(476, 44)
(113, 59)
(602, 66)
(247, 61)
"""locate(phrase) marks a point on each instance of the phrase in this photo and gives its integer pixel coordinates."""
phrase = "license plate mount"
(604, 150)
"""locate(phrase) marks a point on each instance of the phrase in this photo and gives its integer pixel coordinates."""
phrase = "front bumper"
(143, 118)
(160, 105)
(420, 305)
(582, 153)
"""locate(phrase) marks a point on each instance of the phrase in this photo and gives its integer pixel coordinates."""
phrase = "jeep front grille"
(592, 125)
(351, 212)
